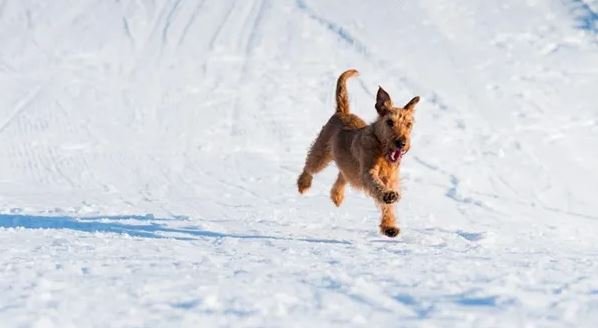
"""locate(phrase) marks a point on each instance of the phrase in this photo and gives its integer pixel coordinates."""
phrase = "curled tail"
(342, 98)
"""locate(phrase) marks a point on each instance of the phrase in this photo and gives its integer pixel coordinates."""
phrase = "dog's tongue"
(395, 155)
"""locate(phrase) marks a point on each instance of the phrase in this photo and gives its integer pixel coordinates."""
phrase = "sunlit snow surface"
(150, 151)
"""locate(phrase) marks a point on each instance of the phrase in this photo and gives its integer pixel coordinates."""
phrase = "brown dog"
(368, 156)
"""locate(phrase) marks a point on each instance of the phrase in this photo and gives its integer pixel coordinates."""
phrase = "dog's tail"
(342, 98)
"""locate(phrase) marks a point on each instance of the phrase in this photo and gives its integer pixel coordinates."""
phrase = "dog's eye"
(390, 123)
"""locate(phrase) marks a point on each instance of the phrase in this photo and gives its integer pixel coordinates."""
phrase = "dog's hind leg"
(318, 157)
(388, 225)
(337, 194)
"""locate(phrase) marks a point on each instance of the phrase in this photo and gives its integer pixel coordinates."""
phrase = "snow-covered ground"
(149, 152)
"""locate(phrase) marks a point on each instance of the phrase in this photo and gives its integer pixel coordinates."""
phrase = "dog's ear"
(383, 102)
(411, 104)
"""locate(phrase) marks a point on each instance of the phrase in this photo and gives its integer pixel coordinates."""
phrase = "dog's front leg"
(376, 187)
(388, 225)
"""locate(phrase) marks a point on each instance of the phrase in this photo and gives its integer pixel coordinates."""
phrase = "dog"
(367, 155)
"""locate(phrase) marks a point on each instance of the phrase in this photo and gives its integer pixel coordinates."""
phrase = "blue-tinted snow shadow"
(587, 17)
(150, 228)
(424, 307)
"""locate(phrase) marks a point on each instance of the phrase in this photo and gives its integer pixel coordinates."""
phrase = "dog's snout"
(400, 143)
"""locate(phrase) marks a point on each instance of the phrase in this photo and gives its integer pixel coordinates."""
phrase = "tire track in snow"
(44, 162)
(55, 162)
(223, 22)
(128, 32)
(257, 13)
(334, 28)
(35, 163)
(230, 30)
(453, 190)
(241, 35)
(165, 12)
(168, 22)
(190, 22)
(261, 7)
(237, 40)
(2, 6)
(344, 34)
(20, 107)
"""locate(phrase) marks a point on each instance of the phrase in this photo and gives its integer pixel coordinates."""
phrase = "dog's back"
(343, 124)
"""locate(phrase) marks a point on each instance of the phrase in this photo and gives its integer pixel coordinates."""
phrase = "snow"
(150, 152)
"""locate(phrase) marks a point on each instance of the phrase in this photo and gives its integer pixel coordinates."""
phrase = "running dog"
(367, 155)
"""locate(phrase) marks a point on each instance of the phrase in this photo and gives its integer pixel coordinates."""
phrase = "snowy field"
(149, 153)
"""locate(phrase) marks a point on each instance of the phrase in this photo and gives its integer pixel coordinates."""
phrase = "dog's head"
(394, 124)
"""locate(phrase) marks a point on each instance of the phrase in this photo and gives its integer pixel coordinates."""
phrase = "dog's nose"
(400, 143)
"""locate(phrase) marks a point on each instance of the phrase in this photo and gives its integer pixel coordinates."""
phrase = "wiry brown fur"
(360, 151)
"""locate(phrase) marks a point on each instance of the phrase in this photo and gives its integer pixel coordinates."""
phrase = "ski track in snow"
(150, 153)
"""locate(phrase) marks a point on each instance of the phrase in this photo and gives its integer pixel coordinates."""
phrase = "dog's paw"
(337, 198)
(304, 182)
(390, 231)
(390, 197)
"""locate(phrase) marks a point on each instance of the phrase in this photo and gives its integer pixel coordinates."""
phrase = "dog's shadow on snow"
(143, 226)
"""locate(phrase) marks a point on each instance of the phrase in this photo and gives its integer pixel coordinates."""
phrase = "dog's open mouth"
(395, 155)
